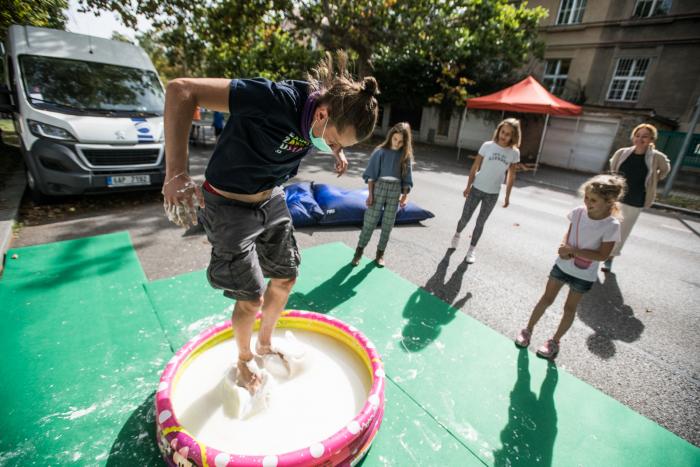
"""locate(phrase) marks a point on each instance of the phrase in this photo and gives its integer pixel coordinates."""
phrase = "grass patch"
(680, 202)
(9, 136)
(16, 228)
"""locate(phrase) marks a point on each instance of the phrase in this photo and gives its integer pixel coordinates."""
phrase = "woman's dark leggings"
(488, 202)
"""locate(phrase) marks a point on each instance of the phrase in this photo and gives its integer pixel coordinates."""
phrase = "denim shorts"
(577, 285)
(250, 242)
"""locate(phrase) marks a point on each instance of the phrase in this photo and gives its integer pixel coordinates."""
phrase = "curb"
(655, 205)
(11, 198)
(668, 207)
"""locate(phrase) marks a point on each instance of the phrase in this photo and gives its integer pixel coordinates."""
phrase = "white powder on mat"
(310, 407)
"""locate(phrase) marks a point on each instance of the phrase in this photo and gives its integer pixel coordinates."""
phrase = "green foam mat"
(82, 351)
(410, 436)
(504, 404)
(187, 305)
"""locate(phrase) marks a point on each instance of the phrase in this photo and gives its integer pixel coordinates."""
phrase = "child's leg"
(550, 294)
(470, 205)
(370, 221)
(391, 206)
(488, 202)
(569, 314)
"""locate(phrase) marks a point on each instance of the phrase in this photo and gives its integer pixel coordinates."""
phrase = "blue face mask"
(320, 143)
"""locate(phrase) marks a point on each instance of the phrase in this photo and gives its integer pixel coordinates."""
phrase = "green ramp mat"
(82, 352)
(505, 405)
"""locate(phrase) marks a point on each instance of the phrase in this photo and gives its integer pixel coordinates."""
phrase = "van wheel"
(35, 194)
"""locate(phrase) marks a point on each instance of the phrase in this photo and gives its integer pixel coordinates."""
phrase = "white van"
(88, 111)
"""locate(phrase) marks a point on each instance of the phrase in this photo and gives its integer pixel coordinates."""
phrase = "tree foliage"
(254, 38)
(466, 47)
(43, 13)
(422, 51)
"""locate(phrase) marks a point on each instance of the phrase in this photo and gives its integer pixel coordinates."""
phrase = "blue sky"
(100, 26)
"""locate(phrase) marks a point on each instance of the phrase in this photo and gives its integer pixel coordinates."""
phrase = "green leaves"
(41, 13)
(421, 51)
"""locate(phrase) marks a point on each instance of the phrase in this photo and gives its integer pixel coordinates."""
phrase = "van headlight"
(44, 130)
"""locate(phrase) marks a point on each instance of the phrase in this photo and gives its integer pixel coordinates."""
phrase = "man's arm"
(183, 95)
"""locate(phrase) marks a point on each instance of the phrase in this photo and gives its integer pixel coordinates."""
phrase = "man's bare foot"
(248, 377)
(274, 360)
(263, 350)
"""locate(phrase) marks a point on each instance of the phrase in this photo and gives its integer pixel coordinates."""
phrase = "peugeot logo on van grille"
(120, 134)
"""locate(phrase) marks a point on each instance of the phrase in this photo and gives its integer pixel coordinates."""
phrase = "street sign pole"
(684, 148)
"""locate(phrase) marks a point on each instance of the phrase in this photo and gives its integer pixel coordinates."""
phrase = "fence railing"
(670, 142)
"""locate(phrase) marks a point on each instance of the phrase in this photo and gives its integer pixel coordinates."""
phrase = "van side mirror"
(6, 105)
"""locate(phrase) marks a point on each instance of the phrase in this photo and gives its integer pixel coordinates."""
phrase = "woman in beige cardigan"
(642, 166)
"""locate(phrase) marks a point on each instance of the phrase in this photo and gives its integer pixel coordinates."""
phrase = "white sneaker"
(455, 242)
(471, 257)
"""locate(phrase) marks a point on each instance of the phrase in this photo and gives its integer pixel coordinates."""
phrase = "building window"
(555, 74)
(571, 11)
(646, 8)
(444, 119)
(628, 79)
(380, 116)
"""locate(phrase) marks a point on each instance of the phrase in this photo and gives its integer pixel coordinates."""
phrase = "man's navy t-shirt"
(263, 142)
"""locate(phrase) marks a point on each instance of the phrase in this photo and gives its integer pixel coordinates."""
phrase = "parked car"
(88, 112)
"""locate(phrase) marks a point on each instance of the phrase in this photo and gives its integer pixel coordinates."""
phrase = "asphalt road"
(637, 335)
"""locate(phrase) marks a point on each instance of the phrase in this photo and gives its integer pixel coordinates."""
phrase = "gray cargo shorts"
(250, 242)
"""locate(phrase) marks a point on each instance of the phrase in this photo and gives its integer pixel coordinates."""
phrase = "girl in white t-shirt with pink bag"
(593, 230)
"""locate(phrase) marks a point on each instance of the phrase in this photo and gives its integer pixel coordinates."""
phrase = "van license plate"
(129, 180)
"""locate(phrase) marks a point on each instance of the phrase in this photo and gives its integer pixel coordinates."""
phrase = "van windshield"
(73, 86)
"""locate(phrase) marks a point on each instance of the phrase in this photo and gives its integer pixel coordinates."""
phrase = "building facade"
(625, 61)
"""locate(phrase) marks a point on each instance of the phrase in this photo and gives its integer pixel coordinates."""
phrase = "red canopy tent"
(526, 96)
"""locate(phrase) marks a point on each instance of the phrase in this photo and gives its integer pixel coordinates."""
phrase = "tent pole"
(539, 151)
(459, 132)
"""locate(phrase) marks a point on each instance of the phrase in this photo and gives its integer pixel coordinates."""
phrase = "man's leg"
(242, 320)
(279, 259)
(274, 302)
(234, 268)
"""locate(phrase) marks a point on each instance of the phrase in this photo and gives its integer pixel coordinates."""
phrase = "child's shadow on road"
(603, 309)
(427, 317)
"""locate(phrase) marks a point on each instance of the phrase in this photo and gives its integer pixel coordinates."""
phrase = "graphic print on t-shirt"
(497, 156)
(292, 143)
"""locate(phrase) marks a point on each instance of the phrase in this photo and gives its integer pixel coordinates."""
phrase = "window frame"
(655, 4)
(574, 12)
(444, 123)
(628, 79)
(556, 76)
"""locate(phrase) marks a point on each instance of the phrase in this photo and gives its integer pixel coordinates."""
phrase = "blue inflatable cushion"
(302, 206)
(347, 207)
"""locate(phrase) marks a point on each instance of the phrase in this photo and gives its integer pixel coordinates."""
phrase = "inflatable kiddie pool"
(329, 414)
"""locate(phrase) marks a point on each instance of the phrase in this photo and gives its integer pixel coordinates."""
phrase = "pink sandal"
(523, 339)
(549, 349)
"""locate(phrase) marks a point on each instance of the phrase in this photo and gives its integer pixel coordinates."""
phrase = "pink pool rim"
(346, 447)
